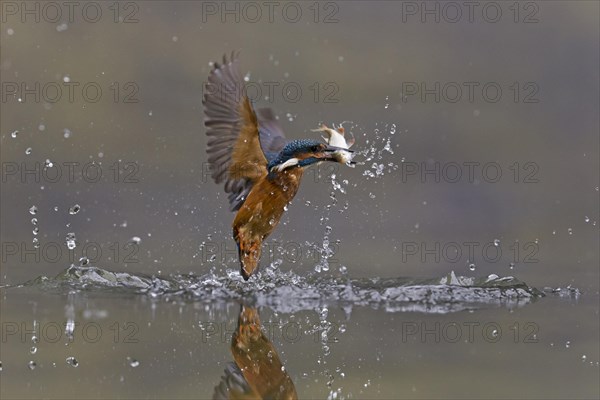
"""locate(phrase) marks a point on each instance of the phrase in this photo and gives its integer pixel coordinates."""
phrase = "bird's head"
(302, 153)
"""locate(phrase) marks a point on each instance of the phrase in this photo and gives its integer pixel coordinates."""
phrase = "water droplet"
(14, 134)
(271, 222)
(75, 209)
(495, 333)
(570, 231)
(33, 210)
(33, 350)
(70, 240)
(35, 339)
(48, 164)
(84, 261)
(511, 265)
(324, 313)
(136, 239)
(42, 127)
(35, 230)
(583, 357)
(34, 221)
(587, 219)
(56, 208)
(72, 361)
(31, 365)
(307, 203)
(133, 363)
(496, 242)
(472, 267)
(36, 243)
(568, 344)
(388, 147)
(28, 150)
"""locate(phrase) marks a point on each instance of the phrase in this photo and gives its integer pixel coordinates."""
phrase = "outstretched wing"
(272, 139)
(235, 132)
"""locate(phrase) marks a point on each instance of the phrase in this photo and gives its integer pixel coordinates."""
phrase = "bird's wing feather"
(234, 142)
(272, 138)
(233, 385)
(247, 158)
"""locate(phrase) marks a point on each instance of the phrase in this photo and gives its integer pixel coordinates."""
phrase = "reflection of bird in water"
(257, 372)
(248, 151)
(233, 385)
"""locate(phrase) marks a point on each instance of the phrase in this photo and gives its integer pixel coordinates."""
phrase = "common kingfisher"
(249, 152)
(257, 371)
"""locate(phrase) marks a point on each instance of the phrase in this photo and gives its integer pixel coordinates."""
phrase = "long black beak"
(333, 149)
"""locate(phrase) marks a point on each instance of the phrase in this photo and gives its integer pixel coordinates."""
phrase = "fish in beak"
(337, 142)
(339, 154)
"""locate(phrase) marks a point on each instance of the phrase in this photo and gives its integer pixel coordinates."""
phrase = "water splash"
(376, 150)
(289, 292)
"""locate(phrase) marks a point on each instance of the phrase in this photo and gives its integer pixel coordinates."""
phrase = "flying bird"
(248, 151)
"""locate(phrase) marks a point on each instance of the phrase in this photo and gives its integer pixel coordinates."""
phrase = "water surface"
(119, 334)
